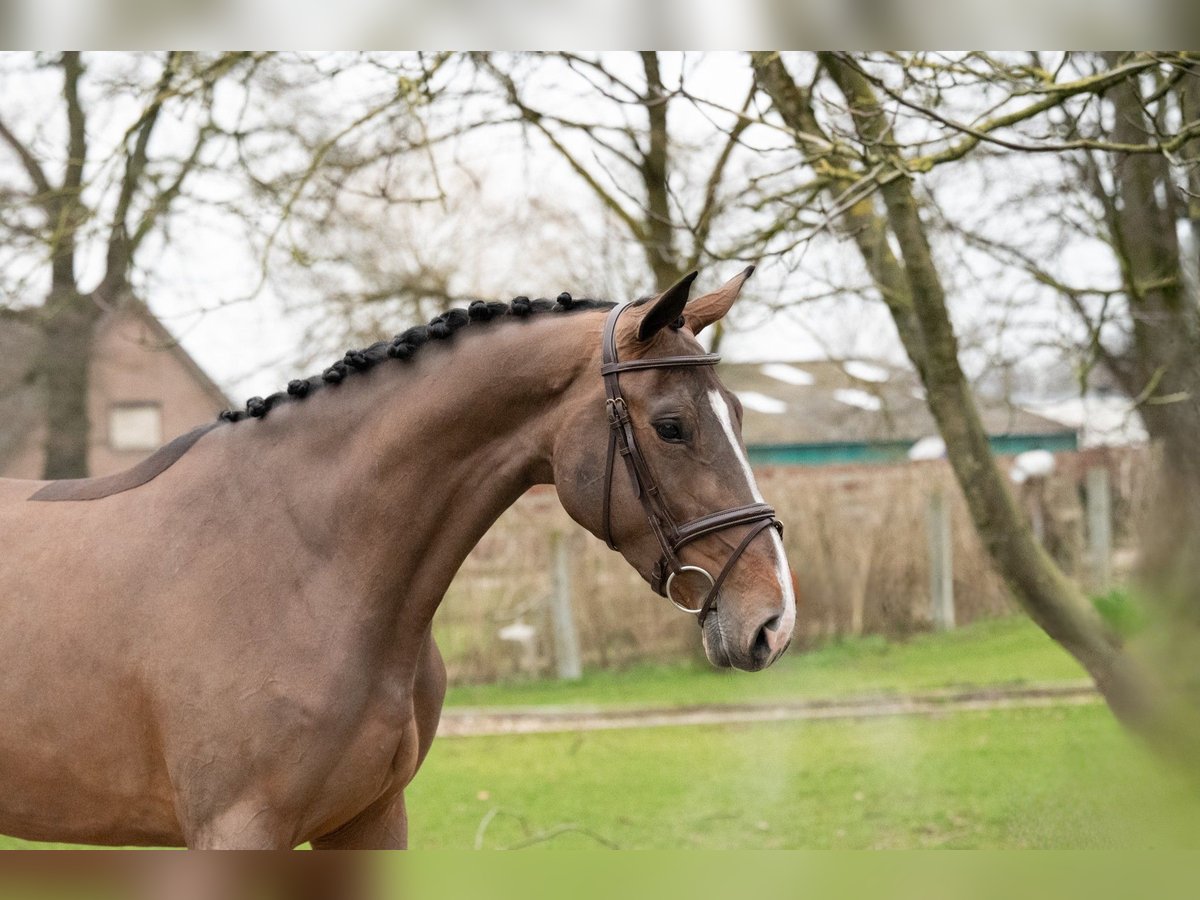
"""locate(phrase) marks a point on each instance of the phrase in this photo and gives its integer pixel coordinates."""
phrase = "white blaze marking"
(721, 409)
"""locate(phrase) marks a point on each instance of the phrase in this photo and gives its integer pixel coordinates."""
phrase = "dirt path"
(473, 721)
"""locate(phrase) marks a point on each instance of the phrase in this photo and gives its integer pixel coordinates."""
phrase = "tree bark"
(69, 325)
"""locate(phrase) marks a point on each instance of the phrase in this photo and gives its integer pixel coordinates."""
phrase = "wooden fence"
(874, 549)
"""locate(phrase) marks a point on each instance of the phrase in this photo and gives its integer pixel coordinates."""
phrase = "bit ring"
(712, 582)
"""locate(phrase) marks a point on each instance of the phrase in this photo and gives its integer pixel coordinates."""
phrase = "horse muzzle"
(750, 646)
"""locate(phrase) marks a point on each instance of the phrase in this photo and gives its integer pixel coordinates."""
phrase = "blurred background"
(969, 362)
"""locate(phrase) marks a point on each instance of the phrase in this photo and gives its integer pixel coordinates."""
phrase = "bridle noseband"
(670, 535)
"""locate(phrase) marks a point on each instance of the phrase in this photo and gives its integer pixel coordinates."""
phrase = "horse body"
(251, 629)
(239, 651)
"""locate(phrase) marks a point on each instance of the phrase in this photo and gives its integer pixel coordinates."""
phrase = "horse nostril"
(772, 624)
(761, 651)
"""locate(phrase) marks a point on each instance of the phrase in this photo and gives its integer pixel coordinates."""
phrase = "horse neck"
(399, 472)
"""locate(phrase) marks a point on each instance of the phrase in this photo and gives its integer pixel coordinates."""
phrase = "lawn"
(1060, 777)
(1009, 651)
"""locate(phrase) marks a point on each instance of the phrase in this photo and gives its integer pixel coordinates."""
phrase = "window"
(135, 426)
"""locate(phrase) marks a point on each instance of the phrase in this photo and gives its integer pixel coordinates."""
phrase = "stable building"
(856, 411)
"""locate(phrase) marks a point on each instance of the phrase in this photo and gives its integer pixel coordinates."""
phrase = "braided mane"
(404, 345)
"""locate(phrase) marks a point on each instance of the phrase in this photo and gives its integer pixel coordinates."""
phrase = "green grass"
(1060, 777)
(996, 652)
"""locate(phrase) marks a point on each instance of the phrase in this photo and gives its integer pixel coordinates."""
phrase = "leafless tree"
(72, 202)
(130, 142)
(666, 189)
(868, 129)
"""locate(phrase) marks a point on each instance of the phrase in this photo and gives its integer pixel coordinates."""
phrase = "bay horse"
(229, 645)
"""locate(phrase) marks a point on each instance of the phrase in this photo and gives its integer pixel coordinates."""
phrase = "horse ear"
(709, 308)
(666, 307)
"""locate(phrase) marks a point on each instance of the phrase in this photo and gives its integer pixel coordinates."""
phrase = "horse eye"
(669, 431)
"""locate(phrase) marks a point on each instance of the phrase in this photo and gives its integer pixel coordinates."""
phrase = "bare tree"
(852, 127)
(626, 152)
(78, 203)
(284, 144)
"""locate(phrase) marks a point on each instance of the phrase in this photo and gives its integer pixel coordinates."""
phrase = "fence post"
(941, 561)
(566, 638)
(1099, 516)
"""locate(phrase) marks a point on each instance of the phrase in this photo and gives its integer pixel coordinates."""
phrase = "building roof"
(167, 341)
(1095, 405)
(857, 401)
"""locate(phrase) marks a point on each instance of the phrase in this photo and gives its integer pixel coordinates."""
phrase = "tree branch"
(1055, 95)
(68, 210)
(659, 240)
(853, 207)
(709, 208)
(29, 163)
(534, 118)
(72, 66)
(120, 250)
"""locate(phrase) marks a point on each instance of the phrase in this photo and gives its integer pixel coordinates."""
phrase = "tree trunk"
(659, 239)
(68, 317)
(1049, 597)
(69, 328)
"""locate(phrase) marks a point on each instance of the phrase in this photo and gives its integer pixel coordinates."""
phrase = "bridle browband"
(670, 535)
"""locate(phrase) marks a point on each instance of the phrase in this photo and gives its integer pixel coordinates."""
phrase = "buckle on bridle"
(618, 412)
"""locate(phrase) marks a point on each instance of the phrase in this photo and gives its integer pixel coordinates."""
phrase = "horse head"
(652, 461)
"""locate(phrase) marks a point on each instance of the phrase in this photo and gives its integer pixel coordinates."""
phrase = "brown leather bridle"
(671, 536)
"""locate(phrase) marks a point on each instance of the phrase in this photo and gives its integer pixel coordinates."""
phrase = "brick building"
(144, 390)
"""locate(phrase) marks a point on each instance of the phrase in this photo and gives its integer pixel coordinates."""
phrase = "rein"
(671, 536)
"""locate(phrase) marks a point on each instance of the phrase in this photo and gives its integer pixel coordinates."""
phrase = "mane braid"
(403, 346)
